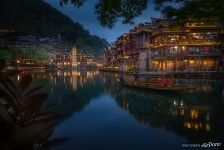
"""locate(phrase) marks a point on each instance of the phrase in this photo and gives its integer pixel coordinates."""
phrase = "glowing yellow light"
(188, 125)
(18, 77)
(182, 112)
(194, 114)
(196, 126)
(207, 126)
(191, 61)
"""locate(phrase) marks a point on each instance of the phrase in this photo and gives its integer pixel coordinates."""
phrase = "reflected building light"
(188, 125)
(81, 82)
(196, 126)
(58, 73)
(52, 90)
(207, 127)
(176, 113)
(181, 103)
(182, 112)
(84, 80)
(174, 103)
(88, 74)
(74, 73)
(51, 77)
(208, 117)
(74, 83)
(55, 81)
(18, 77)
(65, 74)
(194, 114)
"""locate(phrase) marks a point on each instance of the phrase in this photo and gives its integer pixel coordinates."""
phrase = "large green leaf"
(8, 98)
(13, 89)
(49, 117)
(32, 91)
(8, 73)
(34, 102)
(26, 136)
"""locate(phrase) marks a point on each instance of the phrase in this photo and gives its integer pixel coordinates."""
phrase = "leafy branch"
(29, 124)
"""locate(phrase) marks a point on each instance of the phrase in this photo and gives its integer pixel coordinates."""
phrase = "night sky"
(87, 17)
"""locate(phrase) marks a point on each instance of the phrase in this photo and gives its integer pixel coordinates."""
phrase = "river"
(103, 115)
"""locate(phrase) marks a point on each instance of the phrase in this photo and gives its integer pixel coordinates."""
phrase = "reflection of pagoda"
(74, 57)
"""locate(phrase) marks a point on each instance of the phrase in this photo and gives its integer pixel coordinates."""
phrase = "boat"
(159, 82)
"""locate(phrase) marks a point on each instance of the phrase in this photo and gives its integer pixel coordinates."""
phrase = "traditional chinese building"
(63, 59)
(74, 61)
(164, 45)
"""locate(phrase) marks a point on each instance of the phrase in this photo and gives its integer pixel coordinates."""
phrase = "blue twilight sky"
(87, 17)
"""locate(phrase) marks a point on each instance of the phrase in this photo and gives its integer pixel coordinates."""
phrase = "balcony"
(216, 53)
(185, 43)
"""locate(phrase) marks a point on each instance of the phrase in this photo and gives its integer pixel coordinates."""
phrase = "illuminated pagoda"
(74, 57)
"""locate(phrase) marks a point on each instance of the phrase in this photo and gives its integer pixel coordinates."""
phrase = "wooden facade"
(164, 45)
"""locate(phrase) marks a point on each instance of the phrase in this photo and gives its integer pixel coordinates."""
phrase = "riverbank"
(178, 74)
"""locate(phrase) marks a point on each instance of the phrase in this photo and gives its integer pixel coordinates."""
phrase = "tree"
(6, 55)
(109, 11)
(37, 55)
(192, 9)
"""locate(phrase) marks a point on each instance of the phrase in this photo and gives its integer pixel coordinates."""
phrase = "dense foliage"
(24, 122)
(192, 9)
(38, 55)
(38, 18)
(5, 54)
(35, 54)
(109, 11)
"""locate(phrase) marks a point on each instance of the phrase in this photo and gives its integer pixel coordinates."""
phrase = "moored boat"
(164, 82)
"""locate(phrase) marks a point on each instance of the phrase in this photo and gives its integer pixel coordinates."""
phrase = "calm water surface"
(103, 115)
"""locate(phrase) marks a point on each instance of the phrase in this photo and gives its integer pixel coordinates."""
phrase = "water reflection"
(197, 116)
(70, 91)
(67, 78)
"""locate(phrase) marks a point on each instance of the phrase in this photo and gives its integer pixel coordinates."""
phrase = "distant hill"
(38, 18)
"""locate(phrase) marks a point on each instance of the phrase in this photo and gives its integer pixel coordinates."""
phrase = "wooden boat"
(160, 81)
(151, 85)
